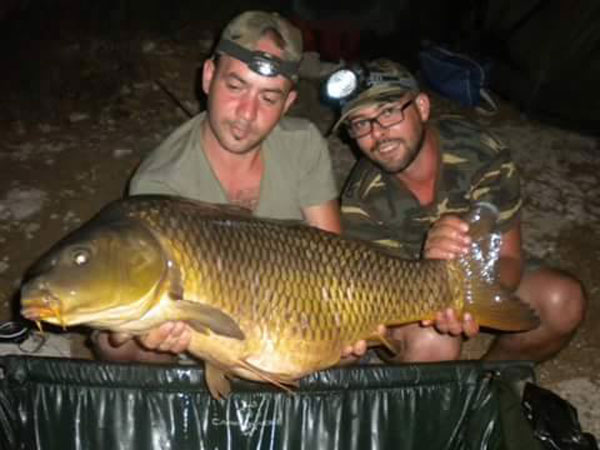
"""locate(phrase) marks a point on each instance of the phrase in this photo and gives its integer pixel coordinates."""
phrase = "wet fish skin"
(268, 300)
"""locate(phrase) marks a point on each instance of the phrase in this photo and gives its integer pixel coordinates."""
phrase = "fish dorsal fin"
(233, 210)
(205, 209)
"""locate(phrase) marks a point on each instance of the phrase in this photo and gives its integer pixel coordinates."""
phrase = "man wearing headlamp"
(240, 151)
(408, 191)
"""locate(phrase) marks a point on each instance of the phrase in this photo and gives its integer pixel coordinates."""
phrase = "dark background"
(82, 106)
(546, 53)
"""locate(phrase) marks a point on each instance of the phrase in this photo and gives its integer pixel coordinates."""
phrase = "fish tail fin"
(508, 314)
(484, 298)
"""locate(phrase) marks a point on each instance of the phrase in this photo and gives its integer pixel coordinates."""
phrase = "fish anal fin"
(508, 313)
(391, 347)
(220, 387)
(378, 338)
(216, 381)
(282, 381)
(202, 317)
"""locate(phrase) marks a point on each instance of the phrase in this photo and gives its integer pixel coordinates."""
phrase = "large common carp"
(268, 300)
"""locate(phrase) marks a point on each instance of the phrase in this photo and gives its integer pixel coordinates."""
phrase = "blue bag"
(457, 76)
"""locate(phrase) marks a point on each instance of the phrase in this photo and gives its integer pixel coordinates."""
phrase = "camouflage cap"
(248, 28)
(389, 81)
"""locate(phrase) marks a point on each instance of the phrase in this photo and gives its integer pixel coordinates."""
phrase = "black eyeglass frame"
(371, 120)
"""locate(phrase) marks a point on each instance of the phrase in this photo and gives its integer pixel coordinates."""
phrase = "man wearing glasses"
(407, 193)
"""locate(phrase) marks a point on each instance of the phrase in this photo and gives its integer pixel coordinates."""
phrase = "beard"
(396, 165)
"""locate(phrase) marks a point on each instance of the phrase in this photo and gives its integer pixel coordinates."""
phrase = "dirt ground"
(83, 116)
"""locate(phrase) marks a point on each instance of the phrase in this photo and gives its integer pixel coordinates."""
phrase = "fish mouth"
(42, 305)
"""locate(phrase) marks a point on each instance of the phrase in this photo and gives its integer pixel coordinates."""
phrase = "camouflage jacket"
(475, 166)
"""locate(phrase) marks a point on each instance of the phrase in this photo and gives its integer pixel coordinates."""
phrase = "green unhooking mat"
(62, 404)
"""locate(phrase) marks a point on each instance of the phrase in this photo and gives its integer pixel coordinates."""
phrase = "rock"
(78, 117)
(121, 152)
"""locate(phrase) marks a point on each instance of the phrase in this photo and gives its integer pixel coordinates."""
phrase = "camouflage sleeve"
(358, 222)
(497, 182)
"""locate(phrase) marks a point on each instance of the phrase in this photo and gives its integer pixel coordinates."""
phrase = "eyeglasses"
(390, 116)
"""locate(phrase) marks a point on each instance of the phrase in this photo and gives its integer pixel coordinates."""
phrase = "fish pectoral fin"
(202, 317)
(282, 381)
(216, 381)
(509, 314)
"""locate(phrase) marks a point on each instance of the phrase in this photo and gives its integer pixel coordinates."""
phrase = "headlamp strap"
(375, 78)
(260, 62)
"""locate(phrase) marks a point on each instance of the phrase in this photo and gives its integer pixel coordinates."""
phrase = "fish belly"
(292, 359)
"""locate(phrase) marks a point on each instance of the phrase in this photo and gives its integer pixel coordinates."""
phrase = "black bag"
(458, 76)
(61, 404)
(555, 421)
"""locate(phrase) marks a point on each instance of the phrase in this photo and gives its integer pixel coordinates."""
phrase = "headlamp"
(341, 84)
(346, 83)
(262, 63)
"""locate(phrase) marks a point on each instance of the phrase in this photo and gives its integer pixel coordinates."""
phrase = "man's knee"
(567, 302)
(559, 299)
(437, 347)
(424, 344)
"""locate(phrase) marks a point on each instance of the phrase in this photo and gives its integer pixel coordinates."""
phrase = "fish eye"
(81, 256)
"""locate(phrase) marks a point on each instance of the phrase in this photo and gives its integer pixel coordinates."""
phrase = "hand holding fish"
(170, 337)
(356, 350)
(124, 347)
(447, 322)
(448, 238)
(360, 348)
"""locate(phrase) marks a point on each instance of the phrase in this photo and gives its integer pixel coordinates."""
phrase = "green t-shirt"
(475, 166)
(297, 169)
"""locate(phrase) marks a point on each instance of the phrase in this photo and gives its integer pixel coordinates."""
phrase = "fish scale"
(267, 300)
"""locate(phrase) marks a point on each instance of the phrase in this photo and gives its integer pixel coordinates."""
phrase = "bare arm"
(325, 216)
